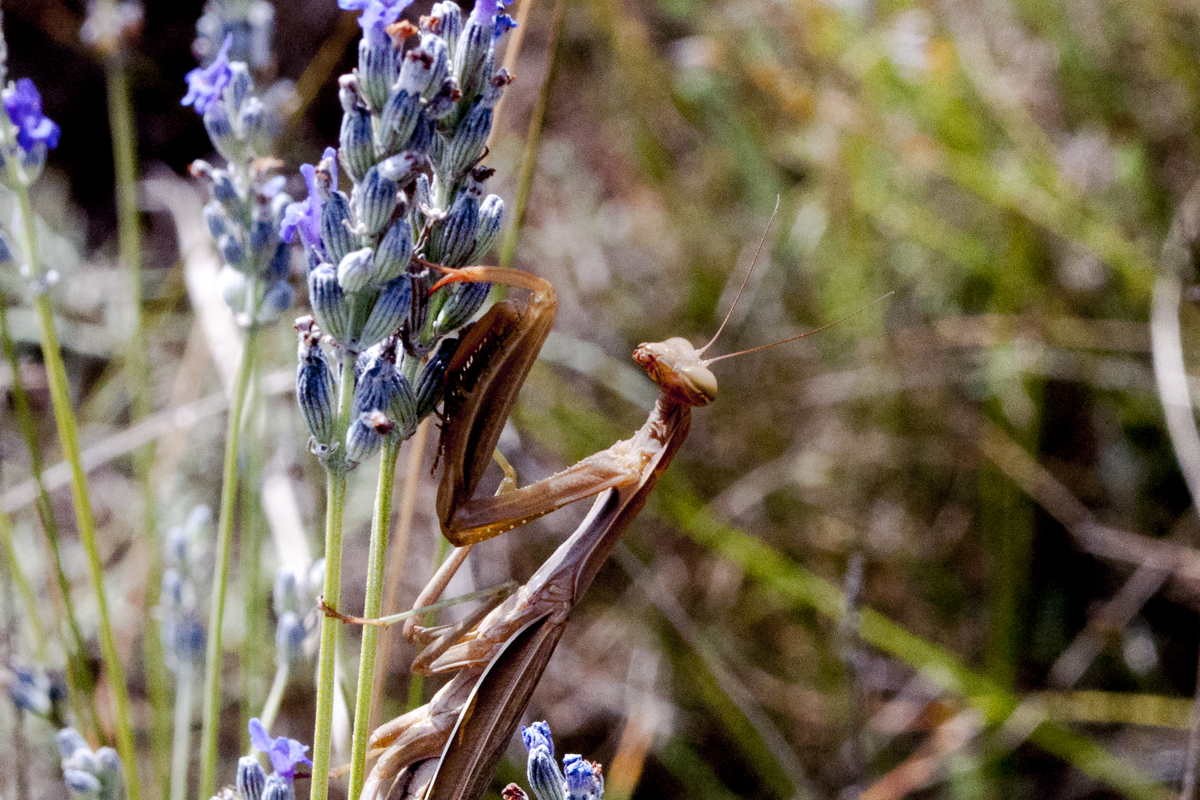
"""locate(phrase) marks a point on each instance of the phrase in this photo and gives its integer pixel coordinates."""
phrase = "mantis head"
(678, 370)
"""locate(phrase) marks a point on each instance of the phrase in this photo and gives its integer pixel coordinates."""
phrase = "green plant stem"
(372, 607)
(335, 508)
(275, 695)
(129, 249)
(225, 519)
(68, 433)
(253, 598)
(32, 616)
(80, 680)
(533, 139)
(181, 739)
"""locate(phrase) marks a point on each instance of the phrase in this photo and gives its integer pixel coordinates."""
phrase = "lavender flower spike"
(205, 84)
(285, 754)
(304, 217)
(23, 104)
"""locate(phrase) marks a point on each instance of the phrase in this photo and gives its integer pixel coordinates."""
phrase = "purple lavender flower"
(205, 84)
(377, 14)
(23, 104)
(285, 754)
(305, 216)
(538, 735)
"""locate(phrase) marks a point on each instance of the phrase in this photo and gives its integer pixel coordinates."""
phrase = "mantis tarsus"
(448, 748)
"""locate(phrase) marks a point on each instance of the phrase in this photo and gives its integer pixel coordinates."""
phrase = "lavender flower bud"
(583, 779)
(82, 784)
(443, 101)
(335, 227)
(69, 742)
(233, 284)
(474, 55)
(110, 774)
(224, 190)
(462, 148)
(277, 788)
(216, 219)
(378, 380)
(378, 63)
(254, 124)
(329, 303)
(545, 778)
(389, 311)
(277, 299)
(465, 299)
(453, 237)
(220, 131)
(431, 380)
(187, 639)
(240, 86)
(250, 778)
(232, 252)
(357, 148)
(399, 118)
(290, 634)
(423, 135)
(366, 435)
(37, 692)
(445, 19)
(394, 251)
(491, 220)
(314, 383)
(356, 270)
(373, 202)
(400, 168)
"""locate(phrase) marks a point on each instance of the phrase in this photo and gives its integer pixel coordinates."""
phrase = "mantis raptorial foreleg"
(483, 381)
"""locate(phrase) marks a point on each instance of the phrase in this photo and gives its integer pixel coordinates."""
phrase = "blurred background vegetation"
(941, 550)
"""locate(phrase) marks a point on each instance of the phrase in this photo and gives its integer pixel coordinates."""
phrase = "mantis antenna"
(804, 335)
(745, 281)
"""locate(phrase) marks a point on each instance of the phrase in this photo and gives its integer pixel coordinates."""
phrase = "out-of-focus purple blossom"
(538, 735)
(23, 104)
(285, 754)
(377, 14)
(304, 217)
(205, 84)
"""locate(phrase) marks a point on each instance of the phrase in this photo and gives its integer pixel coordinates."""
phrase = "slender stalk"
(253, 664)
(68, 433)
(79, 677)
(225, 518)
(275, 695)
(32, 615)
(335, 508)
(129, 250)
(372, 607)
(533, 139)
(181, 739)
(399, 547)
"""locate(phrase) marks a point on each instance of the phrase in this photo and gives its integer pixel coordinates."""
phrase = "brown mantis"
(448, 748)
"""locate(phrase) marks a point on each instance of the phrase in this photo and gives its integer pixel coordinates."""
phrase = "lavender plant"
(244, 213)
(416, 115)
(183, 632)
(26, 137)
(295, 628)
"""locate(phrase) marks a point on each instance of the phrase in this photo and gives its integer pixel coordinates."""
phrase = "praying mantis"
(447, 749)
